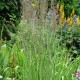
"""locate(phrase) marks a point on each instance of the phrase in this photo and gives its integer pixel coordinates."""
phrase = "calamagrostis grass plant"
(40, 57)
(37, 55)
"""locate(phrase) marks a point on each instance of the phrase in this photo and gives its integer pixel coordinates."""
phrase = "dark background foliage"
(70, 39)
(9, 17)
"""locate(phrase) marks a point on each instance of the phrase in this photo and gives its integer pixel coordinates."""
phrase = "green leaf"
(75, 51)
(1, 7)
(7, 7)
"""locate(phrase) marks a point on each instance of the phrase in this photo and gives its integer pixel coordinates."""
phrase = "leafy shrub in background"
(70, 37)
(9, 17)
(69, 5)
(69, 33)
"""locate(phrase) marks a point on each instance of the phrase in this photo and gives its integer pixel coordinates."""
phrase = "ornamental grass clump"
(35, 57)
(37, 53)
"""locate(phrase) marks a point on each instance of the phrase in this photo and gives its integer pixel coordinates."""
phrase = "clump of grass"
(46, 59)
(37, 56)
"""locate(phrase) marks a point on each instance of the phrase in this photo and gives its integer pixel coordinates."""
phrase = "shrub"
(70, 37)
(9, 17)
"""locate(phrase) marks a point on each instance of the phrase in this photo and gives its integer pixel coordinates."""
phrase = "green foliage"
(70, 37)
(37, 53)
(9, 16)
(69, 5)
